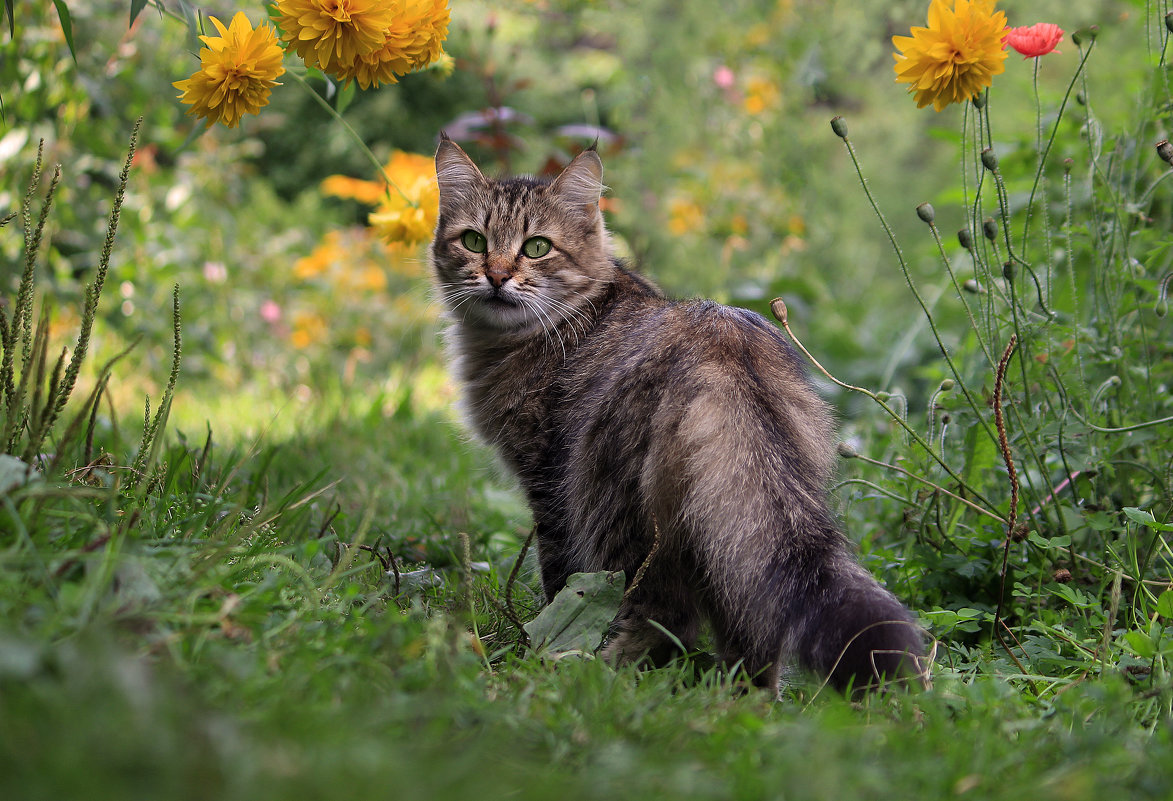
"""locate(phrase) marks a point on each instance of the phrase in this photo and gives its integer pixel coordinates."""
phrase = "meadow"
(248, 550)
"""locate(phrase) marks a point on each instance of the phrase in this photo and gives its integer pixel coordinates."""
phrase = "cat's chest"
(508, 398)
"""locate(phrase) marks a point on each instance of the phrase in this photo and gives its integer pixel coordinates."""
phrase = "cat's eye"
(536, 247)
(474, 241)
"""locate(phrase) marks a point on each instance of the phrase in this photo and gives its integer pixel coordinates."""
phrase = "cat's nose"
(497, 275)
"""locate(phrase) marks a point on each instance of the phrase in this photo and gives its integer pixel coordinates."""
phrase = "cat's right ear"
(456, 175)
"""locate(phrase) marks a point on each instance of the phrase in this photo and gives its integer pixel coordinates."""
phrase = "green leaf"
(579, 615)
(1165, 605)
(1146, 519)
(344, 97)
(11, 19)
(1140, 644)
(66, 26)
(136, 7)
(981, 455)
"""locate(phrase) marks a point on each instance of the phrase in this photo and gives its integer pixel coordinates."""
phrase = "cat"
(637, 423)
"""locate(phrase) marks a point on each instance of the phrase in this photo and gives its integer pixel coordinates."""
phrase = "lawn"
(249, 550)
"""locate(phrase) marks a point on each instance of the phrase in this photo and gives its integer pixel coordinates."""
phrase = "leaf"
(13, 474)
(579, 615)
(136, 7)
(11, 19)
(1165, 605)
(1140, 644)
(344, 97)
(66, 26)
(1146, 519)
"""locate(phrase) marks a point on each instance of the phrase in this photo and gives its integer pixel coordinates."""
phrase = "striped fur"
(622, 413)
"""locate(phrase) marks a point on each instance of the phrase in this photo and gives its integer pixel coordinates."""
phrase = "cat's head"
(519, 253)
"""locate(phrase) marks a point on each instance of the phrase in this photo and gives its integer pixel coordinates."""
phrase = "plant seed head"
(990, 229)
(1020, 532)
(1169, 22)
(1164, 149)
(839, 126)
(1008, 271)
(989, 160)
(972, 286)
(946, 419)
(778, 309)
(947, 385)
(965, 239)
(979, 100)
(925, 212)
(1062, 575)
(1068, 163)
(846, 451)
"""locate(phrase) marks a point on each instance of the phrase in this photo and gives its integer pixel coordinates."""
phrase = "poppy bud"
(989, 160)
(965, 239)
(1008, 271)
(839, 126)
(846, 451)
(990, 229)
(1067, 165)
(972, 287)
(1169, 22)
(925, 212)
(947, 385)
(778, 309)
(979, 100)
(1165, 150)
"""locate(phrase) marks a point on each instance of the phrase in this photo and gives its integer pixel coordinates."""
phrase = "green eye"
(536, 247)
(474, 241)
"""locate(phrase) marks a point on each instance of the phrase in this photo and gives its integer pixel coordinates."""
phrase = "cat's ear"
(456, 174)
(581, 183)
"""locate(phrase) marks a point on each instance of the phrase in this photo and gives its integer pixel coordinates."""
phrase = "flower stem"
(915, 292)
(362, 146)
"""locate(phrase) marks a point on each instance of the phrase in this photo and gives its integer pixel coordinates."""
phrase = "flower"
(331, 34)
(408, 209)
(1035, 40)
(237, 70)
(956, 56)
(414, 40)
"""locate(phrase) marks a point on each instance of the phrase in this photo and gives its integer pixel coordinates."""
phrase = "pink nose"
(497, 275)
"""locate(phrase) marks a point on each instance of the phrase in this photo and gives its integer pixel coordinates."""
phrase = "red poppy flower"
(1034, 40)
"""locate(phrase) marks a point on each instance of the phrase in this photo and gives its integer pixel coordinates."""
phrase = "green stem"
(916, 293)
(362, 146)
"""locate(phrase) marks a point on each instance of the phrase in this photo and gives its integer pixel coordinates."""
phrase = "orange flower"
(1035, 40)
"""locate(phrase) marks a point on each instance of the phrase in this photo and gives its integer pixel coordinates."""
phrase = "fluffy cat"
(627, 417)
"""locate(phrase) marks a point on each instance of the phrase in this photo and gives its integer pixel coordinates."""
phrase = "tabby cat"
(635, 422)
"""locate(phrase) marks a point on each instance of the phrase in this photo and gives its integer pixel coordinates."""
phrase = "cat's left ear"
(581, 183)
(456, 173)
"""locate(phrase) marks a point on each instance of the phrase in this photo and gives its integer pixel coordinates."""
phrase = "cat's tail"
(855, 633)
(791, 591)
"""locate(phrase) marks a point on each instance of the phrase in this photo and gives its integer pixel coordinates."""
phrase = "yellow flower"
(761, 94)
(331, 34)
(309, 328)
(408, 214)
(414, 40)
(956, 56)
(685, 216)
(237, 70)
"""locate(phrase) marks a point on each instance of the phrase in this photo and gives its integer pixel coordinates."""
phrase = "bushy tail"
(858, 635)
